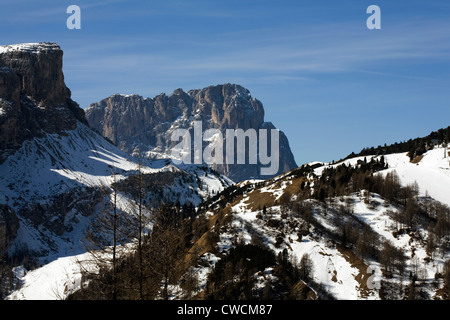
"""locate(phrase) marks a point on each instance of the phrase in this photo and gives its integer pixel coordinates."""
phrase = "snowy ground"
(331, 268)
(432, 173)
(53, 281)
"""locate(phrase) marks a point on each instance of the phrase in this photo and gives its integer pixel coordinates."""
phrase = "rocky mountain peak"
(39, 68)
(146, 124)
(33, 96)
(229, 105)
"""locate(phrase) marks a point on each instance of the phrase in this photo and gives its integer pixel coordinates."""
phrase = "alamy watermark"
(374, 21)
(236, 147)
(74, 20)
(374, 280)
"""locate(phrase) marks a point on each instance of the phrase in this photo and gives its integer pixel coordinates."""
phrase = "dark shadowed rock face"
(33, 97)
(9, 224)
(133, 122)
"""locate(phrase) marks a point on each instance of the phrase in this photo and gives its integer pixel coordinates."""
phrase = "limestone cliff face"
(132, 122)
(34, 101)
(33, 97)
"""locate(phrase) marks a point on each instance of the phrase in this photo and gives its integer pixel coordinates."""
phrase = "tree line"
(415, 147)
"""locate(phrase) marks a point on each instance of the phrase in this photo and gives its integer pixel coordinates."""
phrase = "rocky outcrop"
(133, 122)
(60, 212)
(33, 97)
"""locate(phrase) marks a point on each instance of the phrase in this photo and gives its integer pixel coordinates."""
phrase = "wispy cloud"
(298, 56)
(42, 12)
(258, 55)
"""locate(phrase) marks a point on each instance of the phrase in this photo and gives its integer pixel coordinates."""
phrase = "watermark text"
(236, 147)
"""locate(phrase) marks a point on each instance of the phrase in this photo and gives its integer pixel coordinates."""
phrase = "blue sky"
(332, 85)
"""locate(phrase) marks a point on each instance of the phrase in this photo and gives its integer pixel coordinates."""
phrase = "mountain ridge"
(136, 123)
(414, 147)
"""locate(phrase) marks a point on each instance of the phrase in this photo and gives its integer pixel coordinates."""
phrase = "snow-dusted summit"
(31, 47)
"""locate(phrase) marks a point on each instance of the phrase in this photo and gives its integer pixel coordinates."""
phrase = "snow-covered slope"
(73, 167)
(55, 164)
(339, 269)
(432, 172)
